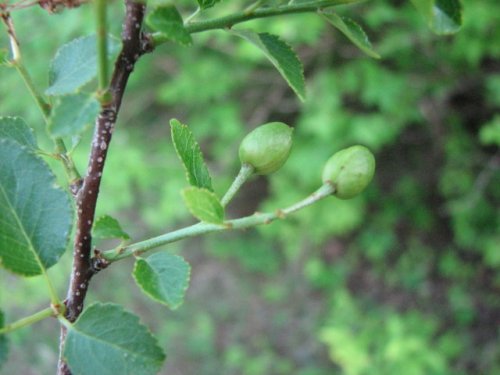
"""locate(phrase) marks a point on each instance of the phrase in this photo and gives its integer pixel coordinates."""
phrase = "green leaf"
(108, 340)
(281, 56)
(35, 214)
(75, 64)
(108, 227)
(443, 16)
(72, 114)
(352, 31)
(3, 342)
(164, 277)
(204, 205)
(205, 4)
(168, 22)
(189, 152)
(16, 129)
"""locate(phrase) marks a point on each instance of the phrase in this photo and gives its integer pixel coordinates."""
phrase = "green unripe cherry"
(349, 171)
(267, 147)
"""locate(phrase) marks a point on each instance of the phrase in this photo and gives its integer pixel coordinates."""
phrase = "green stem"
(36, 317)
(102, 46)
(202, 228)
(44, 107)
(42, 104)
(244, 174)
(233, 19)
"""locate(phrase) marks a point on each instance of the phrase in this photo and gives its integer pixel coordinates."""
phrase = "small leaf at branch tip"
(190, 155)
(204, 205)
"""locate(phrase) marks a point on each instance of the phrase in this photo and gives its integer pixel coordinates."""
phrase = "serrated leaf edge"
(198, 149)
(50, 125)
(369, 51)
(31, 130)
(170, 306)
(120, 307)
(55, 187)
(109, 216)
(302, 96)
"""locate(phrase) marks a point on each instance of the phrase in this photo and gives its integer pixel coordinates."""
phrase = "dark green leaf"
(108, 340)
(168, 22)
(205, 4)
(164, 277)
(352, 31)
(35, 214)
(281, 56)
(204, 205)
(443, 16)
(106, 227)
(189, 152)
(72, 114)
(16, 129)
(75, 64)
(3, 342)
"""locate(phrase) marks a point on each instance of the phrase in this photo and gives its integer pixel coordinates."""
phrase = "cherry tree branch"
(134, 44)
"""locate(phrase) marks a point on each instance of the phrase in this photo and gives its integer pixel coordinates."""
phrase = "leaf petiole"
(29, 320)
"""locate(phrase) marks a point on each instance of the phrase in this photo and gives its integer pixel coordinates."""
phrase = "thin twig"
(259, 218)
(43, 105)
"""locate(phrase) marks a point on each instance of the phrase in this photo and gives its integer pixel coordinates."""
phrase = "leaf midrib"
(19, 222)
(74, 328)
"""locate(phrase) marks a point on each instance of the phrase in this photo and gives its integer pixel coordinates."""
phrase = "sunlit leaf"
(189, 152)
(108, 340)
(204, 205)
(281, 56)
(35, 214)
(164, 277)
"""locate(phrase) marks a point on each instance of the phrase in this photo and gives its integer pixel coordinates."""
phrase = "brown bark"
(134, 44)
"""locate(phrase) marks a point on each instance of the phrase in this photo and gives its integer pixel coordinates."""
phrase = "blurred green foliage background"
(403, 280)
